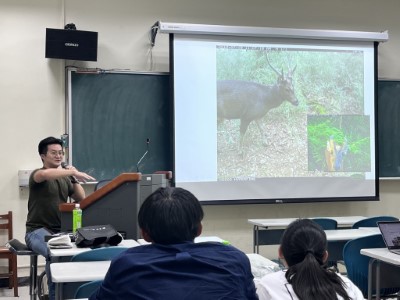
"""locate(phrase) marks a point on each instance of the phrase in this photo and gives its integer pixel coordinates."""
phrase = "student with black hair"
(173, 266)
(304, 250)
(49, 186)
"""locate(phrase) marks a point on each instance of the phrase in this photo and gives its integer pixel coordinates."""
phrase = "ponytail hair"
(303, 246)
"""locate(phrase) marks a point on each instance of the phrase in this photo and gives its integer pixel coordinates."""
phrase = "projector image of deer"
(251, 101)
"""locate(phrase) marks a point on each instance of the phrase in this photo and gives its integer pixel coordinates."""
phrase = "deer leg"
(244, 124)
(262, 132)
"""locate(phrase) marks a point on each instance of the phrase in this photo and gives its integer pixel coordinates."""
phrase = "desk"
(350, 234)
(95, 270)
(61, 258)
(377, 256)
(56, 254)
(80, 272)
(76, 272)
(338, 238)
(68, 276)
(269, 231)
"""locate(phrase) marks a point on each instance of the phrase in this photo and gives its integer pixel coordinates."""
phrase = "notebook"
(391, 235)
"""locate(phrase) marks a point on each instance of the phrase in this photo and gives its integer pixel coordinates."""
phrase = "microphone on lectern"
(144, 155)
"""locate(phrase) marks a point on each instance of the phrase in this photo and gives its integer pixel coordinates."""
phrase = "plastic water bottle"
(76, 218)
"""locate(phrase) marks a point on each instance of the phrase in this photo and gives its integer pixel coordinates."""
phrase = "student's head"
(170, 216)
(51, 151)
(303, 238)
(304, 248)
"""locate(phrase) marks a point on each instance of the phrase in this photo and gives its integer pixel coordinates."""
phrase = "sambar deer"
(250, 101)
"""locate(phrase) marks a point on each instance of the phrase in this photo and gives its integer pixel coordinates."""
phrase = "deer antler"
(276, 71)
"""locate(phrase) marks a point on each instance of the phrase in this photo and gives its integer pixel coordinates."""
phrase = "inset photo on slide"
(339, 143)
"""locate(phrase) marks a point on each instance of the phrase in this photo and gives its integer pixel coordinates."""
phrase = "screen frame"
(287, 200)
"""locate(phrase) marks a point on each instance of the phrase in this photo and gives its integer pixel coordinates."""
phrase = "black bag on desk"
(94, 236)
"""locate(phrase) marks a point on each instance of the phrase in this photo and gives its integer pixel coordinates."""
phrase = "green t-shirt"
(44, 198)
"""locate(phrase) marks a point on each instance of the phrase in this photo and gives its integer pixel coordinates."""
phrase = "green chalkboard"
(389, 128)
(111, 117)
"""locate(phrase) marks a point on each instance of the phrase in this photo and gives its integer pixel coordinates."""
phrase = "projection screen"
(274, 119)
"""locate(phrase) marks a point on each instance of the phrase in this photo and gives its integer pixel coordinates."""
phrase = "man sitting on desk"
(173, 266)
(48, 187)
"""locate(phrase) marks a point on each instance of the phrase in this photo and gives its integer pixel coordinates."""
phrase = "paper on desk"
(62, 241)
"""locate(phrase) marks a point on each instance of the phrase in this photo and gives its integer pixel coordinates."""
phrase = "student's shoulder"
(352, 290)
(346, 280)
(142, 249)
(274, 277)
(215, 249)
(216, 246)
(142, 252)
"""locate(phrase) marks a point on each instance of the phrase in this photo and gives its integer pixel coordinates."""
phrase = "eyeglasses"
(55, 153)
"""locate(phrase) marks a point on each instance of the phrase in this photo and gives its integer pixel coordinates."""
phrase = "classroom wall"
(32, 104)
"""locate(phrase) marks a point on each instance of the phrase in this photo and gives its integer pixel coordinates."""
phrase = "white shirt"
(274, 286)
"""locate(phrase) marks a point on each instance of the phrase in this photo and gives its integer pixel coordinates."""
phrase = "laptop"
(391, 235)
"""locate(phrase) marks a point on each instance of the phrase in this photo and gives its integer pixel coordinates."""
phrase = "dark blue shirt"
(192, 271)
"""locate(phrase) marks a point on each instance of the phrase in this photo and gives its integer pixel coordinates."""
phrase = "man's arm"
(79, 192)
(55, 173)
(70, 171)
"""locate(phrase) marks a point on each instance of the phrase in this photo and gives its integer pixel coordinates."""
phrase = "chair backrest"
(357, 264)
(101, 183)
(6, 223)
(87, 289)
(105, 253)
(372, 222)
(326, 223)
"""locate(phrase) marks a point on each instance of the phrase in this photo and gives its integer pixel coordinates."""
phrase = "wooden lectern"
(117, 203)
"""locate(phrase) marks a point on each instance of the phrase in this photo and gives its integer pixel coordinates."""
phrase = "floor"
(23, 289)
(23, 292)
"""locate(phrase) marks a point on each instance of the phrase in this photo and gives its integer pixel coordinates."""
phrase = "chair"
(18, 248)
(326, 223)
(372, 222)
(105, 253)
(5, 253)
(357, 266)
(99, 254)
(86, 289)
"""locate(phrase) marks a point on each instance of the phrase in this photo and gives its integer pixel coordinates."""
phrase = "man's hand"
(80, 176)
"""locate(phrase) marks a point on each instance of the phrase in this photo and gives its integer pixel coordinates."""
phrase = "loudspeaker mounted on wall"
(71, 44)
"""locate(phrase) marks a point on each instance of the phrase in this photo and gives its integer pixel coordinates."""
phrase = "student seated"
(173, 266)
(304, 250)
